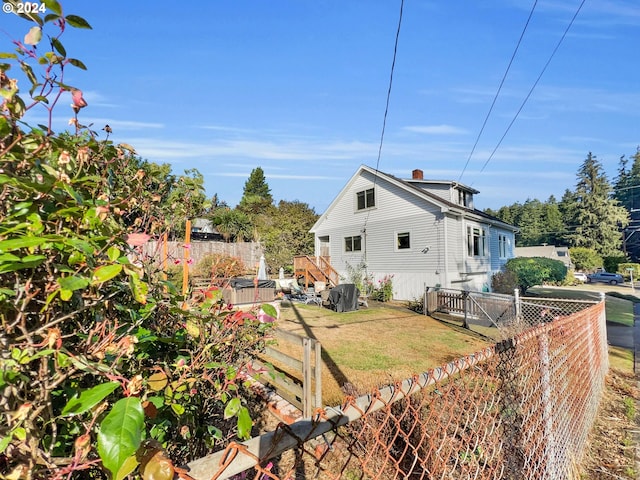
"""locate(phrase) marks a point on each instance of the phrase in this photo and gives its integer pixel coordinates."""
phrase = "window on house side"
(403, 241)
(502, 245)
(366, 199)
(353, 244)
(476, 241)
(464, 198)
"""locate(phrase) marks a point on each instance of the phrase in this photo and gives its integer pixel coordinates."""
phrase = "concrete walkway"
(619, 335)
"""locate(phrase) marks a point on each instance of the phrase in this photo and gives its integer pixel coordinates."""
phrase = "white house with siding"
(423, 232)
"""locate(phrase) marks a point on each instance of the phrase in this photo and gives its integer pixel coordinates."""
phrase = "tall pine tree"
(256, 197)
(627, 192)
(598, 217)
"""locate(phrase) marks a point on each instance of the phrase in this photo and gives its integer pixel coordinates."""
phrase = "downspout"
(446, 252)
(366, 267)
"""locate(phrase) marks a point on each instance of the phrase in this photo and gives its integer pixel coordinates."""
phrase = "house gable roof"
(412, 188)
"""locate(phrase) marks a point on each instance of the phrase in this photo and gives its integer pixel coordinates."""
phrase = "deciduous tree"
(287, 234)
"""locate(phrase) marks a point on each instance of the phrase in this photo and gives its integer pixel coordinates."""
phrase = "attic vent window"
(366, 199)
(464, 198)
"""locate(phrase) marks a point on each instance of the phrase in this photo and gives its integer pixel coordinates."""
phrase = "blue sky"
(298, 87)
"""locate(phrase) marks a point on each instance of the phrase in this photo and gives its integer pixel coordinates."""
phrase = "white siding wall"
(438, 252)
(443, 191)
(396, 211)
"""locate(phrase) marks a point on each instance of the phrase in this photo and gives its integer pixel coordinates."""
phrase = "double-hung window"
(365, 199)
(353, 244)
(502, 245)
(476, 241)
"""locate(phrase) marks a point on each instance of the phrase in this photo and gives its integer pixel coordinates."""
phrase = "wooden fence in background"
(248, 252)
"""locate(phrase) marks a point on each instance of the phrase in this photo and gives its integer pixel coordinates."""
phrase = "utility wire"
(495, 97)
(384, 125)
(386, 108)
(393, 66)
(534, 86)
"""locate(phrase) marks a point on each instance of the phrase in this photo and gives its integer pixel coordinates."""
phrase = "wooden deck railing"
(316, 269)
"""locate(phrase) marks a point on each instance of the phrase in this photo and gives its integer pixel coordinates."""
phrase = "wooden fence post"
(307, 407)
(425, 301)
(318, 373)
(185, 265)
(465, 297)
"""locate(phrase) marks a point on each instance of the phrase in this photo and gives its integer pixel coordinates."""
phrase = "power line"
(393, 66)
(534, 85)
(495, 97)
(386, 108)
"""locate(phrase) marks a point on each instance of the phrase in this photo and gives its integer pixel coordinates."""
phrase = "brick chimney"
(417, 174)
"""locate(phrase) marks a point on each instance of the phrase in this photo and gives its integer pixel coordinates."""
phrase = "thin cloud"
(436, 129)
(263, 150)
(121, 124)
(269, 176)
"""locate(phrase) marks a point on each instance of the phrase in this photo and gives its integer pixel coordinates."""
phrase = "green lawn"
(618, 303)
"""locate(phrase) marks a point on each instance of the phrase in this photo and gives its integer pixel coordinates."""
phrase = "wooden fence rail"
(298, 381)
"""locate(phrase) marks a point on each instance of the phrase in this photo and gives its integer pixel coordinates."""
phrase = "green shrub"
(219, 265)
(627, 268)
(384, 290)
(504, 281)
(536, 271)
(417, 305)
(612, 264)
(585, 259)
(93, 340)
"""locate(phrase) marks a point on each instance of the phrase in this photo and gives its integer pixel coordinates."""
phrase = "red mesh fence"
(521, 409)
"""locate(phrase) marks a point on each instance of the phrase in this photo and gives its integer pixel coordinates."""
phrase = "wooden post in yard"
(164, 255)
(307, 407)
(318, 373)
(185, 264)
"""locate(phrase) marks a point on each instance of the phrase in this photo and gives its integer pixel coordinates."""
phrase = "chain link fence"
(496, 315)
(521, 409)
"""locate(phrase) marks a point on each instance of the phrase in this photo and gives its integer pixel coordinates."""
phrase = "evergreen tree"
(553, 223)
(531, 224)
(598, 216)
(256, 197)
(627, 192)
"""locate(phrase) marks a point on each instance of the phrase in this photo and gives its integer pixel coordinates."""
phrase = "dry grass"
(372, 347)
(613, 440)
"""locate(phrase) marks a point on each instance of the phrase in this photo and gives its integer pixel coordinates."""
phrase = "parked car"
(605, 277)
(580, 276)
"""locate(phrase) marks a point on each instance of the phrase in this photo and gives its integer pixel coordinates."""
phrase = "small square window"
(365, 199)
(353, 244)
(403, 240)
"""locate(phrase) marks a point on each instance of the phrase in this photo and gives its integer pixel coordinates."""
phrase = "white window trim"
(395, 240)
(484, 234)
(503, 245)
(366, 208)
(344, 244)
